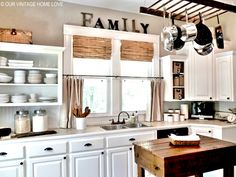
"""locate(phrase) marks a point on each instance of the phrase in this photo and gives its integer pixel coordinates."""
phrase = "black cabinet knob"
(228, 98)
(132, 139)
(48, 149)
(130, 149)
(88, 145)
(21, 163)
(3, 153)
(210, 98)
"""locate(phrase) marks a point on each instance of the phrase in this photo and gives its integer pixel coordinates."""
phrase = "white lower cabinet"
(47, 166)
(120, 154)
(12, 163)
(87, 157)
(46, 159)
(87, 164)
(13, 168)
(120, 162)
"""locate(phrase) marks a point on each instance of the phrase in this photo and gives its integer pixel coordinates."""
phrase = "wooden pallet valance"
(136, 51)
(91, 47)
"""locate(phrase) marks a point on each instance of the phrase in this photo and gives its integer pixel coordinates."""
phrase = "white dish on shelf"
(20, 65)
(47, 98)
(50, 75)
(21, 61)
(3, 74)
(34, 72)
(51, 80)
(5, 79)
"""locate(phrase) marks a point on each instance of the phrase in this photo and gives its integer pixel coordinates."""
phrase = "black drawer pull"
(132, 139)
(48, 149)
(88, 145)
(228, 98)
(3, 153)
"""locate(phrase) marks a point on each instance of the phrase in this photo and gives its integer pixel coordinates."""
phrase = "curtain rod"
(109, 76)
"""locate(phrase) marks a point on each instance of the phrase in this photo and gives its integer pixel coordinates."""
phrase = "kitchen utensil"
(188, 30)
(169, 34)
(219, 35)
(204, 36)
(178, 43)
(5, 131)
(207, 49)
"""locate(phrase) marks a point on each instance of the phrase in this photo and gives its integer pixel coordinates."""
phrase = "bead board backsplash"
(7, 115)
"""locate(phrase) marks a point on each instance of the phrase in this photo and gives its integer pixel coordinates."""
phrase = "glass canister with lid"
(22, 122)
(40, 121)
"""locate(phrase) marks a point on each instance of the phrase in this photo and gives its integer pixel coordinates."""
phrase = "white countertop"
(98, 131)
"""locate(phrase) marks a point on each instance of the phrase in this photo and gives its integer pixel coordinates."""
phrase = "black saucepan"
(219, 35)
(178, 43)
(203, 42)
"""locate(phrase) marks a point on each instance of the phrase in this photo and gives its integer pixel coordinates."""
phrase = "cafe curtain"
(157, 100)
(72, 95)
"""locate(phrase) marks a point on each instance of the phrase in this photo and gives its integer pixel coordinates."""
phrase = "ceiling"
(126, 5)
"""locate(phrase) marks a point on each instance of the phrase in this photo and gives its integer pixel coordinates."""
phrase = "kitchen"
(47, 25)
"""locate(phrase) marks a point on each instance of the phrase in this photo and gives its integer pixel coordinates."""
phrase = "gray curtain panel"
(72, 95)
(157, 100)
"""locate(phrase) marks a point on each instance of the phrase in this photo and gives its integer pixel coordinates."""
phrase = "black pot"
(178, 43)
(204, 35)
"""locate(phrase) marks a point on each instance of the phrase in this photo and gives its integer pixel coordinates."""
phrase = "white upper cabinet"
(225, 76)
(201, 77)
(35, 61)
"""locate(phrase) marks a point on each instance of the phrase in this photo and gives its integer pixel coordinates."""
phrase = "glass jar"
(22, 122)
(40, 121)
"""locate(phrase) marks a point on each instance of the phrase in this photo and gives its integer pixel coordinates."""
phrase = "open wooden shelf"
(208, 9)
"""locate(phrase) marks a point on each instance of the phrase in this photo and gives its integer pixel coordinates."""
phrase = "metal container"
(40, 121)
(22, 122)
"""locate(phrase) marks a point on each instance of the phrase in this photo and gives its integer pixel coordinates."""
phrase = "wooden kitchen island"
(165, 160)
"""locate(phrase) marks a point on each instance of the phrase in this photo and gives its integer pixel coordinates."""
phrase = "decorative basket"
(189, 140)
(15, 36)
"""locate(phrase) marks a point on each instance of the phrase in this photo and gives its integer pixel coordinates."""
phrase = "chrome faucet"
(118, 120)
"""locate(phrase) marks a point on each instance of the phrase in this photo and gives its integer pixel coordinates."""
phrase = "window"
(95, 94)
(135, 92)
(135, 95)
(107, 52)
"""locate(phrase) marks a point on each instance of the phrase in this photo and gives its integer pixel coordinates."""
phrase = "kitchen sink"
(113, 127)
(123, 126)
(136, 125)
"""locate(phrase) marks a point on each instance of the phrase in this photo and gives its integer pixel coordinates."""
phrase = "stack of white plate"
(5, 78)
(47, 99)
(19, 76)
(34, 77)
(4, 98)
(3, 61)
(21, 98)
(50, 78)
(21, 63)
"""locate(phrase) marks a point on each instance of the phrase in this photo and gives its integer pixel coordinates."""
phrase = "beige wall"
(46, 23)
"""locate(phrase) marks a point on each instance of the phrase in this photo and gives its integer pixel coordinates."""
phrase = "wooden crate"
(15, 36)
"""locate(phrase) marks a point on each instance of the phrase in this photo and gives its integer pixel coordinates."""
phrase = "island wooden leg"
(229, 171)
(199, 175)
(141, 171)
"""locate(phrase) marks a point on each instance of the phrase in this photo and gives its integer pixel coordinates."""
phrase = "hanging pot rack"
(208, 9)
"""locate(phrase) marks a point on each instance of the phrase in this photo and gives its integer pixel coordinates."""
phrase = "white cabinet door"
(12, 168)
(120, 162)
(201, 71)
(87, 164)
(54, 166)
(224, 78)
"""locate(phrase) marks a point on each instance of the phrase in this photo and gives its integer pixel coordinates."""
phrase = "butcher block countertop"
(166, 160)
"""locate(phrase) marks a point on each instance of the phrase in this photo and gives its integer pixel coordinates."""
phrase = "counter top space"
(98, 131)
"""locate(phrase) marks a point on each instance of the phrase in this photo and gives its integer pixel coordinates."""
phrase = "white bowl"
(3, 58)
(50, 75)
(51, 80)
(5, 78)
(34, 72)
